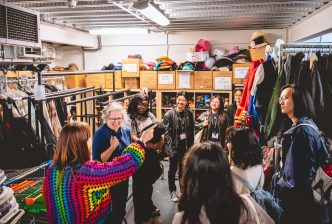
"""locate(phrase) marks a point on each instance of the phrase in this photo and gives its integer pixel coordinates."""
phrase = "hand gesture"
(114, 142)
(147, 135)
(205, 123)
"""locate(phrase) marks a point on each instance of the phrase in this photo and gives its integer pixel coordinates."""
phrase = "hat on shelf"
(202, 45)
(257, 40)
(219, 53)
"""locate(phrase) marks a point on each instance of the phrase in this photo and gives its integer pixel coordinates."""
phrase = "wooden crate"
(239, 72)
(203, 80)
(96, 80)
(149, 79)
(166, 80)
(26, 73)
(74, 81)
(130, 68)
(185, 83)
(222, 80)
(131, 83)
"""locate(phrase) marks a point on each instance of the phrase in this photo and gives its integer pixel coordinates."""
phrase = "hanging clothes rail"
(305, 48)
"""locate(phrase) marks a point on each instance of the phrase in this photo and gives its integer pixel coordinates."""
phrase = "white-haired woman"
(110, 139)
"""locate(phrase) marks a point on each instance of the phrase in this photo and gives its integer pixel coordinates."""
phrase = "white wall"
(68, 54)
(318, 22)
(115, 48)
(62, 35)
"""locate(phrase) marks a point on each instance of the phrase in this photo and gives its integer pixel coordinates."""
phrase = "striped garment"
(82, 193)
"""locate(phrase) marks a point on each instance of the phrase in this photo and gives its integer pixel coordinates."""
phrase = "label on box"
(39, 91)
(129, 67)
(223, 83)
(184, 80)
(240, 72)
(166, 79)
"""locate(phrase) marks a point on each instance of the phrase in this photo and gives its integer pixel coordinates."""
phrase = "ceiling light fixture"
(118, 31)
(149, 11)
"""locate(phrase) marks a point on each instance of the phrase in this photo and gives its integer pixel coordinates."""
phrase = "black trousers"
(142, 198)
(174, 162)
(119, 200)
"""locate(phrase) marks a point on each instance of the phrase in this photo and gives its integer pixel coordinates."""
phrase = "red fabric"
(244, 103)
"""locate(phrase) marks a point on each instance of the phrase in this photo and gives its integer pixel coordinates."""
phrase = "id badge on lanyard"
(183, 134)
(215, 135)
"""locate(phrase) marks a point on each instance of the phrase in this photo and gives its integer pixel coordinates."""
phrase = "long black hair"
(245, 148)
(222, 106)
(132, 107)
(207, 182)
(303, 102)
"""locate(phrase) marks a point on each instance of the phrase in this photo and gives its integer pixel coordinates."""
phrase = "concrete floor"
(161, 199)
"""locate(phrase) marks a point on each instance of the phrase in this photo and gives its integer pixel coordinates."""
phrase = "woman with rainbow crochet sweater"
(77, 190)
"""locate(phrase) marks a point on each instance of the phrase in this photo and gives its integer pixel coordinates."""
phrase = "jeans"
(174, 162)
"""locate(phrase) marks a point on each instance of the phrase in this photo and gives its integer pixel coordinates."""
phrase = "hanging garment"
(52, 112)
(305, 79)
(20, 147)
(293, 67)
(317, 90)
(274, 116)
(240, 115)
(265, 88)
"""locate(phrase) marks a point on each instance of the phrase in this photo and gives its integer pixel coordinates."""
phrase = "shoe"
(155, 211)
(174, 197)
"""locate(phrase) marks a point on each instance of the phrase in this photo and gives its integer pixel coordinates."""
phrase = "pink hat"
(202, 45)
(234, 50)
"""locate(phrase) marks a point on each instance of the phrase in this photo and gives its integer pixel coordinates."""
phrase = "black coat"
(171, 121)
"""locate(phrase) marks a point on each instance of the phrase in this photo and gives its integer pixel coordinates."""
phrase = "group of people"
(88, 182)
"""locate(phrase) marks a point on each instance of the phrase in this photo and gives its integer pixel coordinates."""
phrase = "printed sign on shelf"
(240, 72)
(129, 67)
(166, 79)
(223, 83)
(184, 80)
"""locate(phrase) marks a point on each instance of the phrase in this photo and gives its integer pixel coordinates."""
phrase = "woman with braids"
(78, 190)
(139, 114)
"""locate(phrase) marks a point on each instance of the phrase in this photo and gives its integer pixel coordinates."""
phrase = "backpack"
(263, 198)
(322, 183)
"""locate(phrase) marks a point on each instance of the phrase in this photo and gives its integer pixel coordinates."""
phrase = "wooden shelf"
(200, 109)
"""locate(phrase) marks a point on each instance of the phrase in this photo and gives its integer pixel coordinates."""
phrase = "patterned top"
(82, 193)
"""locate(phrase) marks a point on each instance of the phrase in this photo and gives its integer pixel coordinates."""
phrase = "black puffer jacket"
(172, 136)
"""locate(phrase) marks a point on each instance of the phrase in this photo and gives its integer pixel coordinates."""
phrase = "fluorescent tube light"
(152, 13)
(117, 31)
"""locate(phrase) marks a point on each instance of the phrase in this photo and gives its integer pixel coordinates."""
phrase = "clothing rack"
(34, 80)
(305, 48)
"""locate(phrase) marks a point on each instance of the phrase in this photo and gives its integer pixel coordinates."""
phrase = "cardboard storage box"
(222, 80)
(73, 81)
(185, 79)
(130, 68)
(26, 74)
(149, 79)
(203, 80)
(166, 79)
(119, 81)
(239, 72)
(96, 80)
(131, 83)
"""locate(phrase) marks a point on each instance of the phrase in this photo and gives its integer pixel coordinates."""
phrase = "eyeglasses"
(283, 98)
(143, 105)
(215, 102)
(113, 119)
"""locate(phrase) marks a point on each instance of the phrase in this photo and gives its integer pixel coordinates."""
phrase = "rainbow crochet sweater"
(82, 193)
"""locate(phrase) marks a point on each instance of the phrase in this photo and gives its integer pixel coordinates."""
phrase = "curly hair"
(132, 107)
(245, 151)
